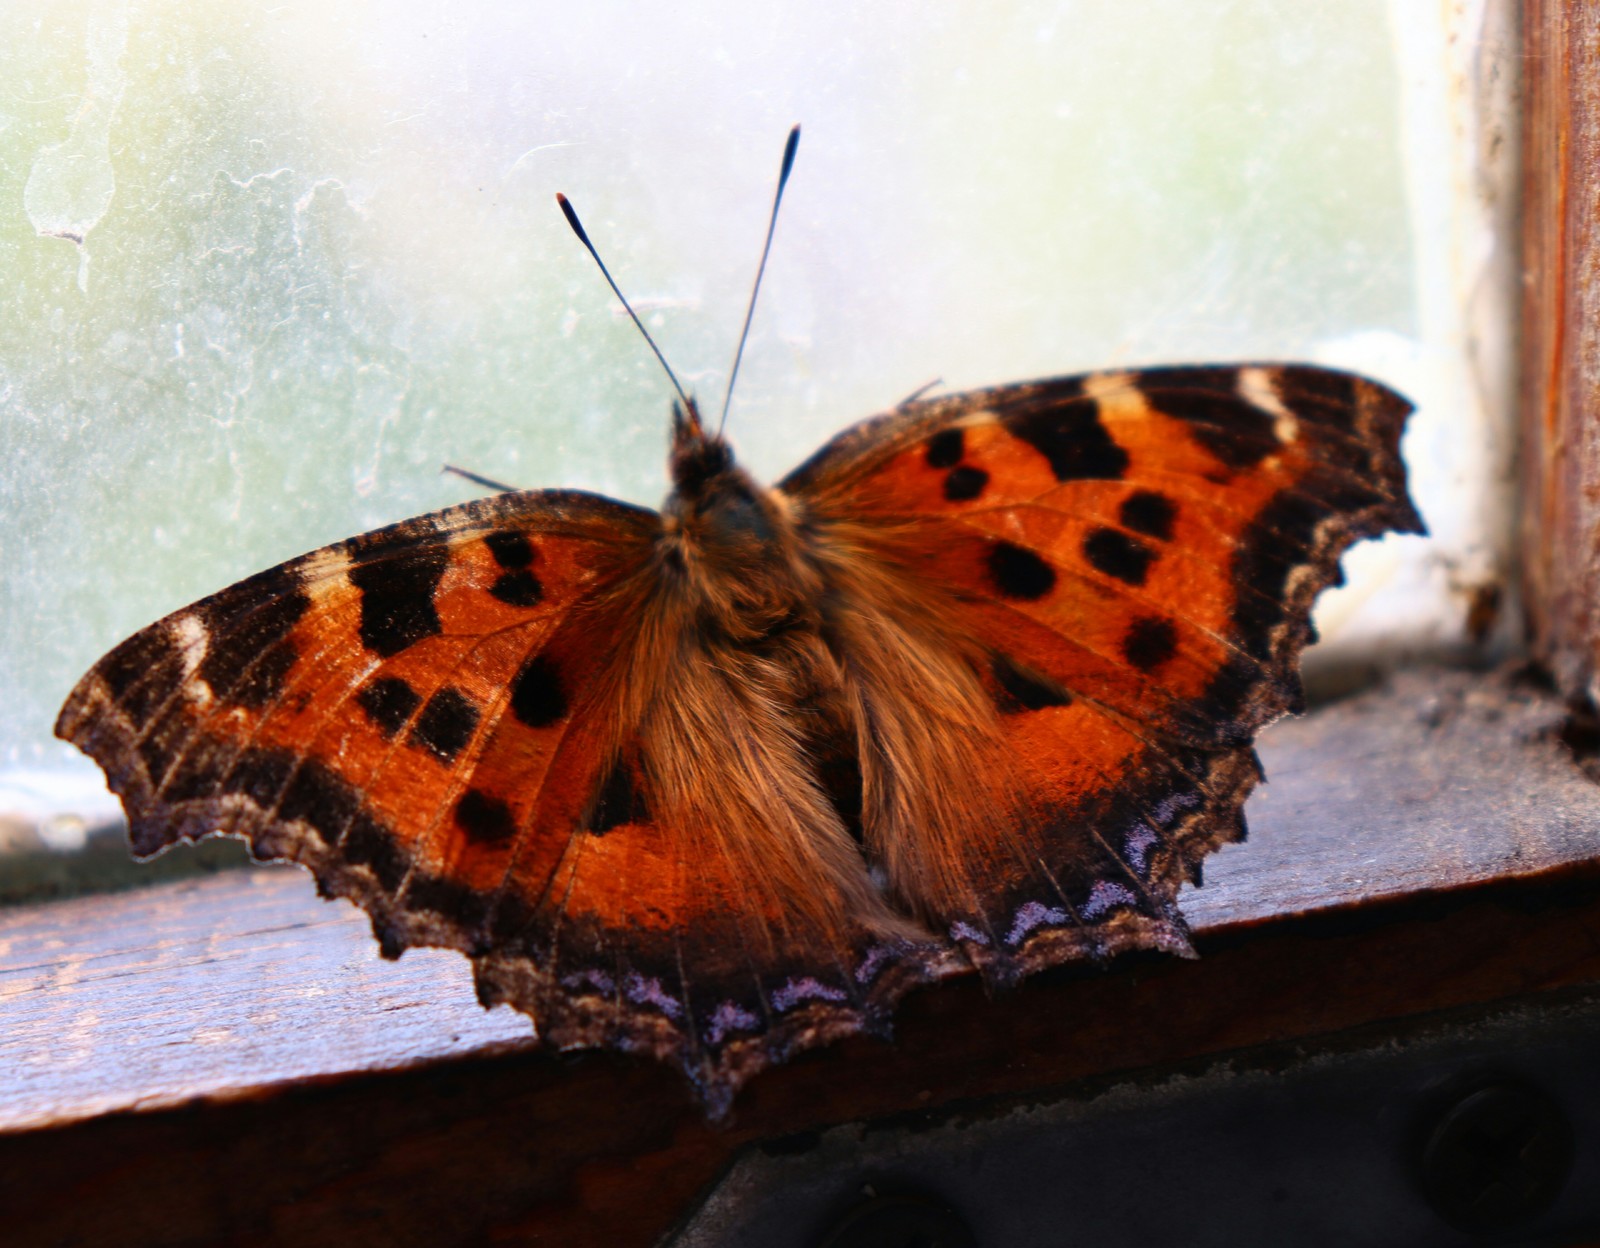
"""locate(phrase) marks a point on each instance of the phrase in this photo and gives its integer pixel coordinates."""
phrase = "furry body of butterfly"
(781, 637)
(974, 687)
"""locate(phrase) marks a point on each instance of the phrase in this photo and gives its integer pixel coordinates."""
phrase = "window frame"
(1560, 385)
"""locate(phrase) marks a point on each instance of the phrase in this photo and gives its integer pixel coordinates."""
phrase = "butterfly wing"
(436, 718)
(1122, 568)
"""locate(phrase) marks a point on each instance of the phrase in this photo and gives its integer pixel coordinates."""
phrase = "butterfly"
(973, 688)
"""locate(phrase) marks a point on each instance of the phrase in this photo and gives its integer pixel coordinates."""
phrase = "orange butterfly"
(974, 686)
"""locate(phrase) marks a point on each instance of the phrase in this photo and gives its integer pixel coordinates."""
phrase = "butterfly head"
(716, 509)
(697, 458)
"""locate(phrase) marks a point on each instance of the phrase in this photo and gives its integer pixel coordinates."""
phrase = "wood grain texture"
(1560, 536)
(1423, 849)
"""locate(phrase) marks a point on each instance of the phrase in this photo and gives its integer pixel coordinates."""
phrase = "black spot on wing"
(260, 775)
(617, 801)
(318, 798)
(1255, 617)
(1336, 390)
(965, 483)
(510, 549)
(248, 658)
(1272, 549)
(446, 723)
(1072, 438)
(1269, 552)
(537, 698)
(1149, 513)
(1232, 698)
(520, 588)
(1150, 642)
(163, 741)
(263, 683)
(1114, 553)
(486, 820)
(201, 772)
(460, 903)
(1233, 430)
(287, 788)
(1019, 573)
(397, 591)
(946, 448)
(368, 843)
(388, 703)
(142, 672)
(1023, 690)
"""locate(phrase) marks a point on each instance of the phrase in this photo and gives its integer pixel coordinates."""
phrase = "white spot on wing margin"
(324, 571)
(193, 641)
(1258, 388)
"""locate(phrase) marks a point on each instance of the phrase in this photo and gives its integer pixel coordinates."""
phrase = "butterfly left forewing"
(330, 709)
(1126, 564)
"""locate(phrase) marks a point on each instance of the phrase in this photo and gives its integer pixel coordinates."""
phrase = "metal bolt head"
(899, 1222)
(1497, 1157)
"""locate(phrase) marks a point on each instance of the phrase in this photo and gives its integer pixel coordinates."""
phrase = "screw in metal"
(1496, 1157)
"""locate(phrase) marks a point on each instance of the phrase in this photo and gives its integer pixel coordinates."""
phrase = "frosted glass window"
(263, 269)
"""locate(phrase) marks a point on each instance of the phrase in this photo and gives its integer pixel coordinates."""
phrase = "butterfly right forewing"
(1125, 564)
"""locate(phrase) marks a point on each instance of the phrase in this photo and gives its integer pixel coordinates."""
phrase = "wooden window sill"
(229, 1059)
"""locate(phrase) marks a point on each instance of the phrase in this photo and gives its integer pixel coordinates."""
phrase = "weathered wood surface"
(1431, 847)
(1561, 337)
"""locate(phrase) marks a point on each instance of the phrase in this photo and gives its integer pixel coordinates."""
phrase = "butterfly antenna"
(577, 228)
(488, 483)
(772, 224)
